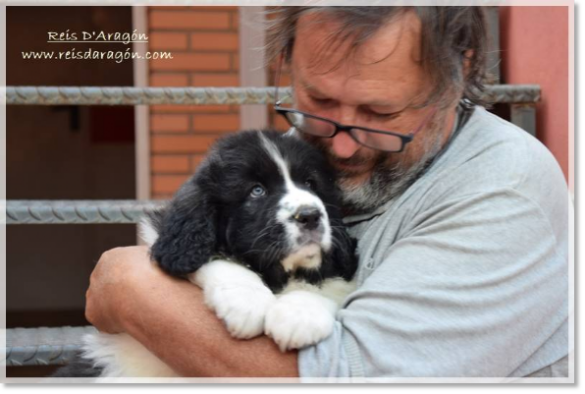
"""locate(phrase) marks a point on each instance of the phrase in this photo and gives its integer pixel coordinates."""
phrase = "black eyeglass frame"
(405, 138)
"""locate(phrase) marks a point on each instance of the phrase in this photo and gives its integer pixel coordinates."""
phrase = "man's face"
(378, 86)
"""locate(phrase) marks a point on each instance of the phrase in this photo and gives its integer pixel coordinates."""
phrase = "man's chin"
(363, 193)
(348, 181)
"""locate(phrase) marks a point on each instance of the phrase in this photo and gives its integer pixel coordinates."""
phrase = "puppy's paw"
(299, 319)
(241, 306)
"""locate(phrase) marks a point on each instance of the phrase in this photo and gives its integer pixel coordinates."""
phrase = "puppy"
(259, 229)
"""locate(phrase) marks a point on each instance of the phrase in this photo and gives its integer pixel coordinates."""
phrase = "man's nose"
(343, 146)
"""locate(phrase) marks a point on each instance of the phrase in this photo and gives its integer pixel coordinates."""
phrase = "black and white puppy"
(259, 229)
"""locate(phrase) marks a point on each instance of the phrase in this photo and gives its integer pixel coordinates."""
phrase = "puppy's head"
(263, 198)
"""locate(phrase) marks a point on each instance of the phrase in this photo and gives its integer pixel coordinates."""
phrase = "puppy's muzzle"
(307, 218)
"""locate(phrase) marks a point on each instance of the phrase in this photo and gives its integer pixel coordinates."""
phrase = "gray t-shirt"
(466, 273)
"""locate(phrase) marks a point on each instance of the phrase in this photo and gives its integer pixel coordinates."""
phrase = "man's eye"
(321, 101)
(380, 114)
(257, 191)
(392, 115)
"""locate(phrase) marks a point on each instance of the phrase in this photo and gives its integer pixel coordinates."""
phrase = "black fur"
(213, 214)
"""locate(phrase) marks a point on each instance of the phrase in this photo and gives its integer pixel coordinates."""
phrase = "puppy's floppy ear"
(188, 232)
(343, 259)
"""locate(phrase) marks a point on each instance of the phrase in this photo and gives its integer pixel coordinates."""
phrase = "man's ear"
(467, 57)
(187, 236)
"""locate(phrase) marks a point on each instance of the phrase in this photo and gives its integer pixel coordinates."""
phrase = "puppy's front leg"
(304, 314)
(236, 294)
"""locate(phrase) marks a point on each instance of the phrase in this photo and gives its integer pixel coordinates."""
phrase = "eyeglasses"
(388, 141)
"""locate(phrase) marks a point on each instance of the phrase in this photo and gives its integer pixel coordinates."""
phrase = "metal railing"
(46, 95)
(77, 211)
(43, 346)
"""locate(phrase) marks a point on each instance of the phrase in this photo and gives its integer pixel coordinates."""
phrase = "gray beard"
(385, 183)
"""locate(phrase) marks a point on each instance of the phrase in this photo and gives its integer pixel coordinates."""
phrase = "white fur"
(335, 289)
(236, 295)
(147, 232)
(306, 257)
(294, 199)
(303, 314)
(122, 356)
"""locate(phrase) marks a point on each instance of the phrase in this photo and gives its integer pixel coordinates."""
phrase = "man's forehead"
(386, 60)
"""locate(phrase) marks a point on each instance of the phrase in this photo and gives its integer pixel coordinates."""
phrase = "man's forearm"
(171, 320)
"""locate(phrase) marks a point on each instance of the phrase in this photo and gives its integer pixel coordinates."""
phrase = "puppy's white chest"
(306, 257)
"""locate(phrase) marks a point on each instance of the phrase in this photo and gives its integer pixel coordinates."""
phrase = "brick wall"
(205, 46)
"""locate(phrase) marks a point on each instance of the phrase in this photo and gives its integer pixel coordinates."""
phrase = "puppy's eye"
(310, 183)
(257, 191)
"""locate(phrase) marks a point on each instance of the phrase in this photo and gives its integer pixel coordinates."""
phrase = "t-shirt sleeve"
(475, 288)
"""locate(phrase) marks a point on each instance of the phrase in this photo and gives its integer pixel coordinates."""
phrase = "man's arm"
(129, 294)
(477, 287)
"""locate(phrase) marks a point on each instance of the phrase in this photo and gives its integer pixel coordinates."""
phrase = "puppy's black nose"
(308, 218)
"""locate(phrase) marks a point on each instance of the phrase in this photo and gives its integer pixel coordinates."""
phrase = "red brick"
(161, 196)
(193, 62)
(166, 41)
(235, 20)
(169, 123)
(218, 80)
(159, 79)
(186, 19)
(215, 41)
(167, 183)
(181, 144)
(227, 122)
(235, 61)
(170, 164)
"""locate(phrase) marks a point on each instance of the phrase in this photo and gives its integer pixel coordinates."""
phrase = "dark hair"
(450, 37)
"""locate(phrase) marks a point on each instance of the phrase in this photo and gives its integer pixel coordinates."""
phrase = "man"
(463, 233)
